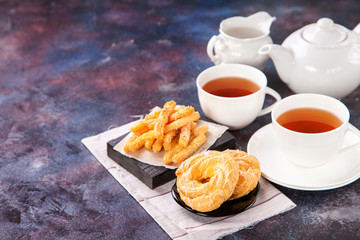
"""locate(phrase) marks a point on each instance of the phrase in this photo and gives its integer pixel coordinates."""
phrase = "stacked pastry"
(206, 180)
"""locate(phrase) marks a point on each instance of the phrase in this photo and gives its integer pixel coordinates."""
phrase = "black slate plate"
(226, 209)
(154, 176)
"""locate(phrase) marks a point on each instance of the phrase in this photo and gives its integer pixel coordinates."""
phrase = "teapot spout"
(282, 57)
(357, 29)
(263, 20)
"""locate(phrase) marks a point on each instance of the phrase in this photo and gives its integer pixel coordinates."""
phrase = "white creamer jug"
(239, 40)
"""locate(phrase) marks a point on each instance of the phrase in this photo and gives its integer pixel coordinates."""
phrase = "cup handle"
(354, 146)
(210, 50)
(275, 95)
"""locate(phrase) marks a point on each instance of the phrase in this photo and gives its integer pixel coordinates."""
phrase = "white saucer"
(339, 171)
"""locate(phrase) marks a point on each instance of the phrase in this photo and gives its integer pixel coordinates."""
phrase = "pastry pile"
(172, 129)
(208, 179)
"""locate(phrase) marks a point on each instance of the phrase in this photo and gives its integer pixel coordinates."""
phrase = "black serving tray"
(154, 176)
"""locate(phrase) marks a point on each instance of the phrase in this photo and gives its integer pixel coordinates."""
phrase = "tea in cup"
(310, 128)
(233, 94)
(239, 40)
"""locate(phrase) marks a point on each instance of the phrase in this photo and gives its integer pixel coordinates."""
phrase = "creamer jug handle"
(215, 58)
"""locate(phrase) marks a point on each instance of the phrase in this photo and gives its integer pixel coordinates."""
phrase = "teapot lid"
(324, 32)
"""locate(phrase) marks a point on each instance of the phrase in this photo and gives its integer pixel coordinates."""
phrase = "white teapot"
(322, 57)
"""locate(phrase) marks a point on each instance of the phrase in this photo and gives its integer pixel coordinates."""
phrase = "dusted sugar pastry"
(206, 180)
(249, 172)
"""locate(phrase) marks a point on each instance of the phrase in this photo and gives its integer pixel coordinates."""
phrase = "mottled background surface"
(72, 69)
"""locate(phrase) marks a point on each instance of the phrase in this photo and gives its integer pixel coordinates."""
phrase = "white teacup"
(234, 112)
(311, 149)
(239, 40)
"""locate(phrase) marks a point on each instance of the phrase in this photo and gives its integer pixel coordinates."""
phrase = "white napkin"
(177, 222)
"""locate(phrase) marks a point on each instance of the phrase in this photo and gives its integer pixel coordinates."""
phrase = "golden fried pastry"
(206, 180)
(249, 173)
(172, 129)
(163, 119)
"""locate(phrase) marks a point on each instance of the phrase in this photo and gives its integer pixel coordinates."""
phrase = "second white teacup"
(216, 86)
(310, 128)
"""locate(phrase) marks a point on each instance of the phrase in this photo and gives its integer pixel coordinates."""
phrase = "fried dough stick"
(192, 147)
(163, 119)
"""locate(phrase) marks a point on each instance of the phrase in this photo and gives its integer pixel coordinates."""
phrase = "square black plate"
(154, 176)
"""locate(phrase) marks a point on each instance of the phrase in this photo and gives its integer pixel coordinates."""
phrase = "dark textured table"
(72, 69)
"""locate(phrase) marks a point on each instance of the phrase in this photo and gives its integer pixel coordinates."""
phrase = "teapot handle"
(211, 51)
